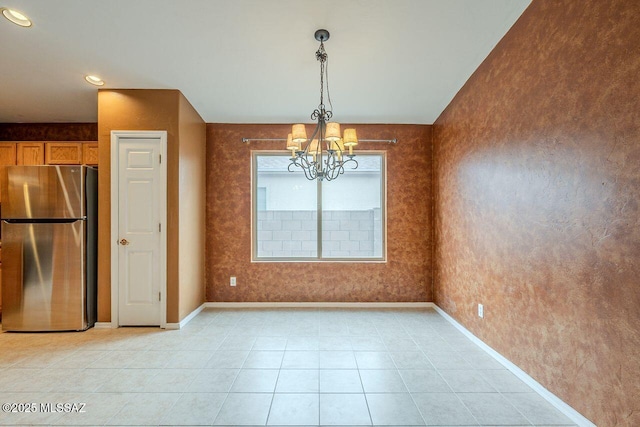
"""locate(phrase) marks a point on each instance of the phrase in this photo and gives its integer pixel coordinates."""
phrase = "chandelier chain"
(326, 72)
(322, 56)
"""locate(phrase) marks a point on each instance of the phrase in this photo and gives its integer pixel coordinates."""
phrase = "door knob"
(123, 242)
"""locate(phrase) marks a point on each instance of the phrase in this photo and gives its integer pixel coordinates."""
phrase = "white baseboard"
(567, 410)
(183, 322)
(103, 325)
(186, 320)
(318, 304)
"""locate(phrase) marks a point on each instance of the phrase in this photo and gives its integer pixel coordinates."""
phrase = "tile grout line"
(403, 381)
(449, 385)
(275, 386)
(233, 382)
(364, 393)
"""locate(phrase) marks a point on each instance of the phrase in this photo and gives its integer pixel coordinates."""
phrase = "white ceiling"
(248, 61)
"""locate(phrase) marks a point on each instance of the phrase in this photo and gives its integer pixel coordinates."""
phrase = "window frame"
(319, 259)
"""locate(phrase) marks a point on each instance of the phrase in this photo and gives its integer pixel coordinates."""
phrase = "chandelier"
(324, 155)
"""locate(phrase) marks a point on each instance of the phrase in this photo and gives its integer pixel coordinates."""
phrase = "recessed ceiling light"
(16, 17)
(94, 80)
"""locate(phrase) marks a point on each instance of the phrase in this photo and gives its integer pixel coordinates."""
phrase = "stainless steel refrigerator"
(49, 248)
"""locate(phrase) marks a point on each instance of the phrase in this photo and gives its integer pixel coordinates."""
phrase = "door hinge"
(160, 227)
(160, 158)
(159, 296)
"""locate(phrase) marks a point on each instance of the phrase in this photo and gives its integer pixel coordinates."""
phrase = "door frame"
(116, 136)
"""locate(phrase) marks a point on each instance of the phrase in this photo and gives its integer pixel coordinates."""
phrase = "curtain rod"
(248, 140)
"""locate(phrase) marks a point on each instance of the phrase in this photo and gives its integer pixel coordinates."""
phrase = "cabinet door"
(63, 153)
(30, 153)
(7, 156)
(7, 153)
(90, 153)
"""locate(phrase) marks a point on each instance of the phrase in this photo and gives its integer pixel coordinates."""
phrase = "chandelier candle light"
(323, 155)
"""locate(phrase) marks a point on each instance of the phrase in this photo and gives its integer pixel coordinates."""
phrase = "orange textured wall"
(538, 203)
(405, 277)
(192, 207)
(132, 109)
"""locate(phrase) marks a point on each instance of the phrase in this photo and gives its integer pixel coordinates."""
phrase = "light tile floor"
(268, 367)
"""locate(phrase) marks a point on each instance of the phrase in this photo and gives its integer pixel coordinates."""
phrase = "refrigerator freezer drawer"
(43, 288)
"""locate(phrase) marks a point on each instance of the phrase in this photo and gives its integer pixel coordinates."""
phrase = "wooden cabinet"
(7, 153)
(48, 153)
(90, 153)
(7, 156)
(30, 153)
(63, 153)
(0, 281)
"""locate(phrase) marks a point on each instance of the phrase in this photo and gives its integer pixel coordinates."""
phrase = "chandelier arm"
(310, 173)
(306, 174)
(304, 162)
(327, 165)
(309, 168)
(338, 168)
(293, 163)
(328, 176)
(299, 162)
(352, 160)
(301, 166)
(335, 173)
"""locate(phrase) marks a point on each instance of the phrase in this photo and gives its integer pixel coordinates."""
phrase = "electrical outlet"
(232, 282)
(480, 310)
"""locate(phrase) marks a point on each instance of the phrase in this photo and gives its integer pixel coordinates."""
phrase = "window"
(261, 199)
(295, 219)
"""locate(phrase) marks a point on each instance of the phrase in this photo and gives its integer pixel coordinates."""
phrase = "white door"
(140, 206)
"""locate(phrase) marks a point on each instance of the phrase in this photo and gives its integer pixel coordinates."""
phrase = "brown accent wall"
(537, 203)
(191, 187)
(48, 132)
(406, 276)
(137, 110)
